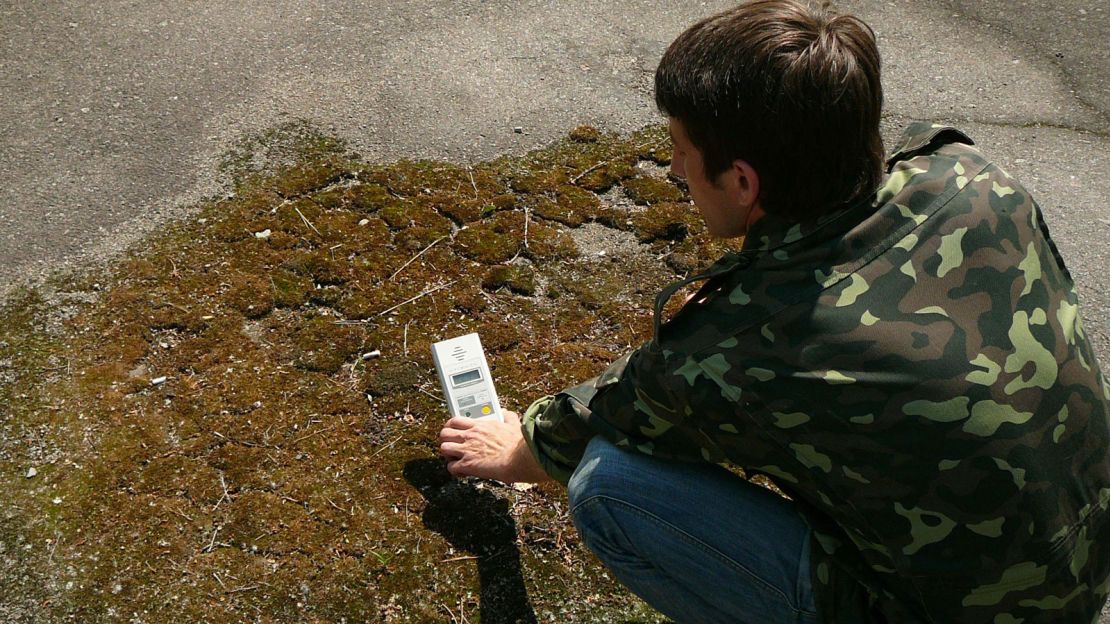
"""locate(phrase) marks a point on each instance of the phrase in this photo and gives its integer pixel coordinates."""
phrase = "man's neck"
(754, 215)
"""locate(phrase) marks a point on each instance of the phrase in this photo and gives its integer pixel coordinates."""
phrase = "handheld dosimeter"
(465, 378)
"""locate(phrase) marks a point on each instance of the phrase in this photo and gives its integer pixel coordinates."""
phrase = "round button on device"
(486, 409)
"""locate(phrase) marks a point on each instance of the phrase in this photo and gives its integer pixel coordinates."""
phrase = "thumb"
(511, 417)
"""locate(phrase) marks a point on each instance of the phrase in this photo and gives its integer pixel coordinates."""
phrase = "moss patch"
(222, 449)
(518, 279)
(647, 190)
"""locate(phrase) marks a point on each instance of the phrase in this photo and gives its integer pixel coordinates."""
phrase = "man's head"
(786, 89)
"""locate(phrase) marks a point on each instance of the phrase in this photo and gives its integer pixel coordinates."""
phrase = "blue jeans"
(693, 540)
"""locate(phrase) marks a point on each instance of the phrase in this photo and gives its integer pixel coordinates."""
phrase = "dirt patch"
(206, 435)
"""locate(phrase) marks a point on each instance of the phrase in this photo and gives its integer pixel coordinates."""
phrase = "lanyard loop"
(725, 265)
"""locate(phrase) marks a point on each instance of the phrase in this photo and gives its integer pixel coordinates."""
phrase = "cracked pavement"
(117, 113)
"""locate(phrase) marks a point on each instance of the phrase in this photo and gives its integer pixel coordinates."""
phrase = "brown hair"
(789, 87)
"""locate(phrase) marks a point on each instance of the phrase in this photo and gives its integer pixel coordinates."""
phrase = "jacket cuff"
(528, 420)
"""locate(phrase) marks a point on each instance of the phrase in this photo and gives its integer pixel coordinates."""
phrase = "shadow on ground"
(475, 521)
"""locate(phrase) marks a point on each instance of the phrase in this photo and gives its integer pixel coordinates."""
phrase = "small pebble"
(264, 234)
(157, 381)
(364, 222)
(31, 472)
(57, 500)
(371, 355)
(518, 130)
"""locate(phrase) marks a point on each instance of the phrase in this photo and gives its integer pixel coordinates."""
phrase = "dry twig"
(526, 220)
(223, 483)
(423, 294)
(472, 184)
(380, 449)
(595, 167)
(314, 433)
(411, 260)
(463, 558)
(306, 221)
(212, 543)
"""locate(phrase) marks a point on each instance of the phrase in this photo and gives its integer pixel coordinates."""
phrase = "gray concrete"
(114, 112)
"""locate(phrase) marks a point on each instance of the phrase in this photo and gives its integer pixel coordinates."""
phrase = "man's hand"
(489, 449)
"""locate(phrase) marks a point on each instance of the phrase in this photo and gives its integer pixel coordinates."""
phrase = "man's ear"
(746, 183)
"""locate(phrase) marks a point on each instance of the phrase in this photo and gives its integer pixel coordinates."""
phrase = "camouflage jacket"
(913, 373)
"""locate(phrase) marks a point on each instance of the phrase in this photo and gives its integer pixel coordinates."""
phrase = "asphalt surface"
(115, 112)
(118, 111)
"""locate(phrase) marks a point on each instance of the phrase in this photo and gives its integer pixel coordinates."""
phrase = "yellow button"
(486, 409)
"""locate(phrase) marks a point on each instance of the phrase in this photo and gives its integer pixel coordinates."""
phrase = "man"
(906, 363)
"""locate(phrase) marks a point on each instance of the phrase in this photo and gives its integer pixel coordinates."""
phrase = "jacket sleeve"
(640, 402)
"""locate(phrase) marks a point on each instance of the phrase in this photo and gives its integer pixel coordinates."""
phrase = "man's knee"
(596, 475)
(596, 507)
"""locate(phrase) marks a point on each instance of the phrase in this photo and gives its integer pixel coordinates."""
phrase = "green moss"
(251, 296)
(503, 236)
(309, 177)
(267, 478)
(290, 290)
(369, 198)
(518, 279)
(666, 221)
(326, 296)
(180, 476)
(653, 143)
(697, 252)
(585, 134)
(647, 190)
(539, 182)
(321, 266)
(390, 378)
(596, 166)
(322, 345)
(602, 178)
(304, 157)
(571, 206)
(422, 213)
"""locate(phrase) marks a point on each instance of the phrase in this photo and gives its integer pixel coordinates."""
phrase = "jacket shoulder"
(923, 137)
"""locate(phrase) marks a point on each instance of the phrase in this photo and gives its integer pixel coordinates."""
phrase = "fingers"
(510, 416)
(460, 422)
(452, 435)
(456, 468)
(452, 450)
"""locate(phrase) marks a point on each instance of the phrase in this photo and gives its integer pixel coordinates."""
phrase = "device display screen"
(465, 378)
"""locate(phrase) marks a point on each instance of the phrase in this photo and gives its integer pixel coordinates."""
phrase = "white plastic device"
(465, 378)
